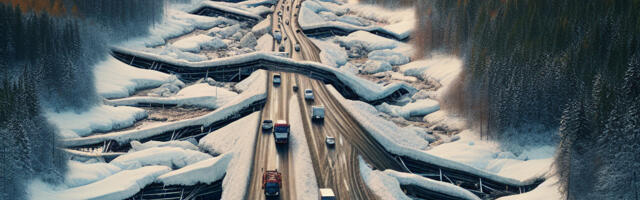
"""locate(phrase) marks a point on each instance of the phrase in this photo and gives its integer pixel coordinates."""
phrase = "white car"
(267, 124)
(308, 94)
(330, 140)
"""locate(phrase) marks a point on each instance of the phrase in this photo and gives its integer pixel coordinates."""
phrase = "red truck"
(271, 183)
(281, 132)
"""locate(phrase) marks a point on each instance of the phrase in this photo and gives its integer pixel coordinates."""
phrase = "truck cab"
(271, 183)
(317, 112)
(281, 132)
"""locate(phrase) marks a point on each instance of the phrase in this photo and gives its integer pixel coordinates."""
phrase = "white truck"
(327, 194)
(317, 112)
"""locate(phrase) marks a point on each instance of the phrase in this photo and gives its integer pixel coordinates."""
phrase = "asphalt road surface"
(336, 167)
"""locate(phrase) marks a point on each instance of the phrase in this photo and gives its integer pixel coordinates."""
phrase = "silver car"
(308, 94)
(331, 141)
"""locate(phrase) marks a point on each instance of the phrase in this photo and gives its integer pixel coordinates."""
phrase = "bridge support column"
(481, 185)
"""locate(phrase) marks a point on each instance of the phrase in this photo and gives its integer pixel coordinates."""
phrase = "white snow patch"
(444, 69)
(173, 157)
(370, 41)
(444, 119)
(487, 155)
(549, 189)
(80, 173)
(256, 91)
(263, 27)
(201, 94)
(392, 57)
(381, 184)
(115, 79)
(433, 185)
(265, 43)
(137, 146)
(418, 108)
(238, 138)
(305, 179)
(199, 42)
(376, 66)
(206, 171)
(121, 185)
(100, 118)
(331, 53)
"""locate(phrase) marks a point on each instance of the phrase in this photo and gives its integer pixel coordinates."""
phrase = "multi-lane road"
(335, 167)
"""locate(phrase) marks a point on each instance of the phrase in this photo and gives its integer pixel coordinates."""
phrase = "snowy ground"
(98, 119)
(190, 37)
(351, 16)
(115, 79)
(170, 163)
(386, 184)
(255, 91)
(200, 94)
(237, 139)
(305, 178)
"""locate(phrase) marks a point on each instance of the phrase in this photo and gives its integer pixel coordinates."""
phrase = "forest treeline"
(536, 68)
(48, 49)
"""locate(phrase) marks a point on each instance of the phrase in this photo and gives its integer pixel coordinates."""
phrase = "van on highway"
(327, 194)
(297, 46)
(276, 79)
(317, 112)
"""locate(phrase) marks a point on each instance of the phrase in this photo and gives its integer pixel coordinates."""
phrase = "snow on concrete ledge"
(367, 90)
(382, 185)
(390, 144)
(115, 79)
(257, 91)
(206, 171)
(121, 185)
(202, 95)
(173, 157)
(433, 185)
(239, 139)
(100, 118)
(137, 146)
(386, 184)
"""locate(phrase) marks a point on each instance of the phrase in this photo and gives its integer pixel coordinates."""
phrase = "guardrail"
(328, 31)
(208, 10)
(238, 71)
(178, 192)
(482, 186)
